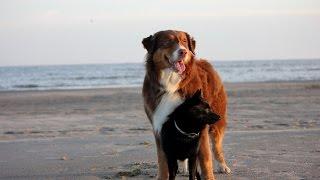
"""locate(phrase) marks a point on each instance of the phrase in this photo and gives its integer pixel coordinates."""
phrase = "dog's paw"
(223, 168)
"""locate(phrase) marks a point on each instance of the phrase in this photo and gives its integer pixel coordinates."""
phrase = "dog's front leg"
(192, 164)
(173, 168)
(163, 173)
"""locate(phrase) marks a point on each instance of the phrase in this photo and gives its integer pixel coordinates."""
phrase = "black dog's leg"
(173, 168)
(192, 163)
(198, 176)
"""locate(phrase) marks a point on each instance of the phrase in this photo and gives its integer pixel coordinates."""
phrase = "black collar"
(189, 135)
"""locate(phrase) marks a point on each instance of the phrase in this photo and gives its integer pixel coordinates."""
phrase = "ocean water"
(131, 74)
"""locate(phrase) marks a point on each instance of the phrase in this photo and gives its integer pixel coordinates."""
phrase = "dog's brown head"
(170, 49)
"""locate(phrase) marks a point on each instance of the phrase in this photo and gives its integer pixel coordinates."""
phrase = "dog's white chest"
(167, 105)
(170, 80)
(169, 101)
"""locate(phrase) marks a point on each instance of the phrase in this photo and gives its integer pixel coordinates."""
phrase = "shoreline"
(140, 86)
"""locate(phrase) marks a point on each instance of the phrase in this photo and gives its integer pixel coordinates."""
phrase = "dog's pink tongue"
(180, 66)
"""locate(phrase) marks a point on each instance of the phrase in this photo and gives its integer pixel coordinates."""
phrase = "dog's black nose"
(182, 52)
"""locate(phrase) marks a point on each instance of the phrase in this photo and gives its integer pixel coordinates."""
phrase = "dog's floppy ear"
(191, 43)
(148, 43)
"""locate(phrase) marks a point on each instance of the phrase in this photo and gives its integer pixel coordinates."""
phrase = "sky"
(45, 32)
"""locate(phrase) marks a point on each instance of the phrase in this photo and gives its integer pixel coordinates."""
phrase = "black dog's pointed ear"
(196, 97)
(148, 43)
(191, 43)
(198, 94)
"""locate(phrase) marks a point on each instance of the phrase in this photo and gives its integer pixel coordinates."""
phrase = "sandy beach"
(273, 133)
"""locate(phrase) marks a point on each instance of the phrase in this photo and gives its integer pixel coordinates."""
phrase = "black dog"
(180, 134)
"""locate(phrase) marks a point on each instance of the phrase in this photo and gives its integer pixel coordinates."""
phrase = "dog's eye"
(184, 41)
(166, 43)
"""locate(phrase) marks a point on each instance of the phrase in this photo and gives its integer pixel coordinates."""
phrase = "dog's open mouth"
(179, 66)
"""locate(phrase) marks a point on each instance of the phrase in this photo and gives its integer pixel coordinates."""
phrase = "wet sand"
(273, 133)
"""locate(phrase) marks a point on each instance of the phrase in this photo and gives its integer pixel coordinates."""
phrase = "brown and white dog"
(173, 74)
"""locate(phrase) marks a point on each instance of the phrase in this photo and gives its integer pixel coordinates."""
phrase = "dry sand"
(273, 133)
